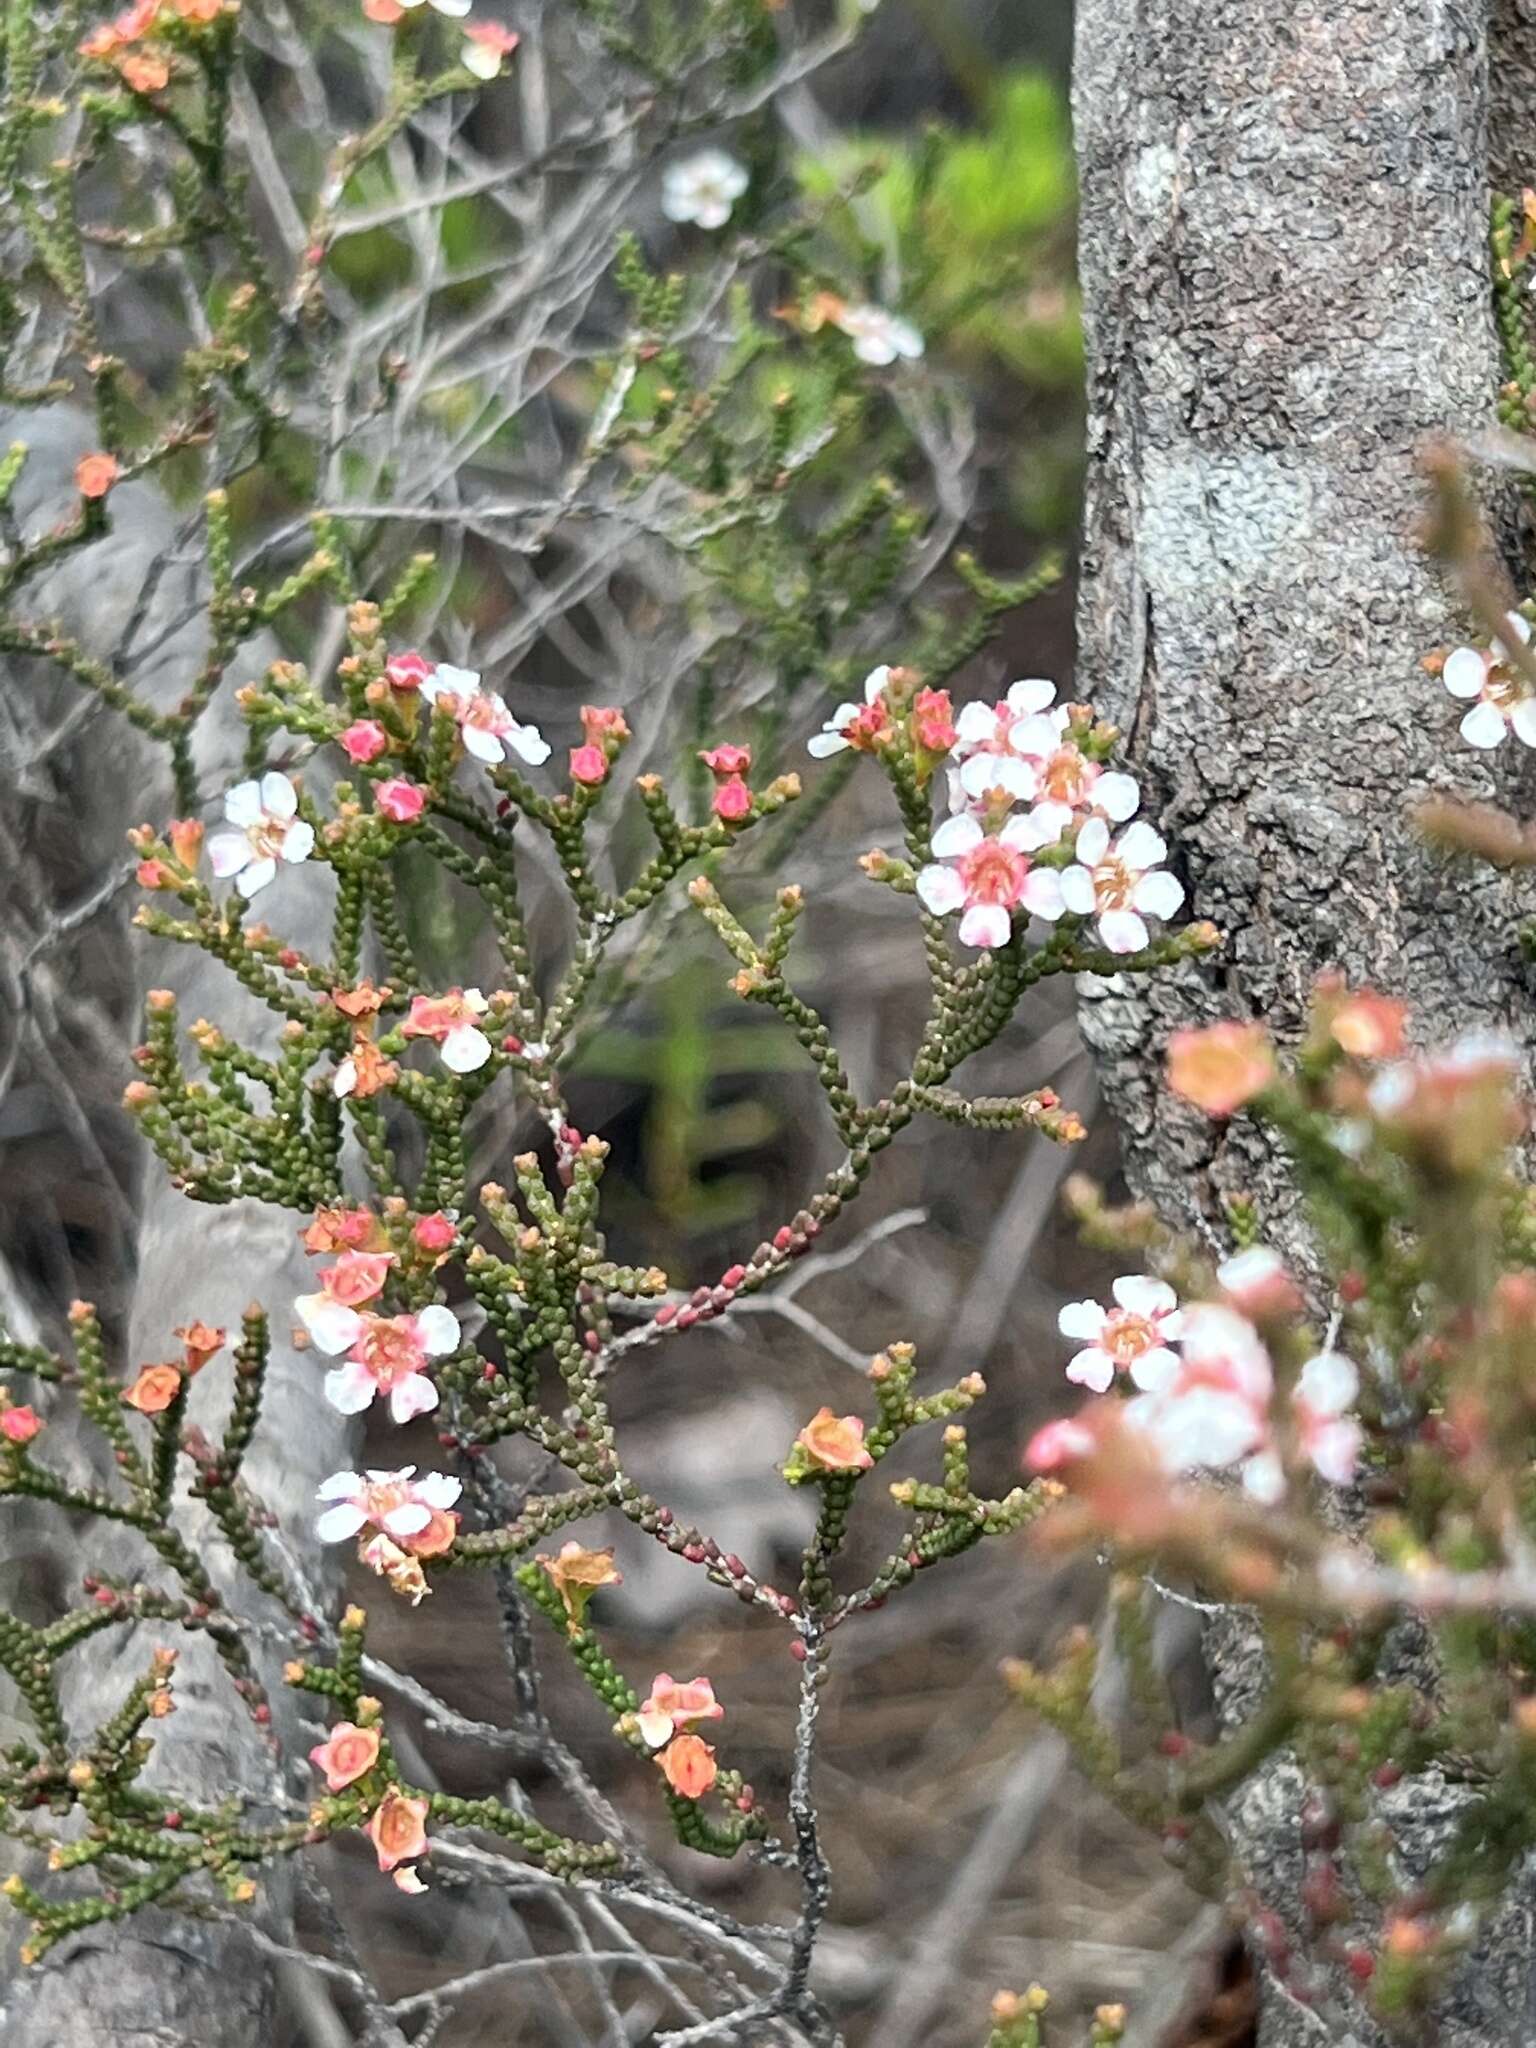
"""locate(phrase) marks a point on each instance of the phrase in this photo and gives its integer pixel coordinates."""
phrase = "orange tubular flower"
(1222, 1067)
(688, 1765)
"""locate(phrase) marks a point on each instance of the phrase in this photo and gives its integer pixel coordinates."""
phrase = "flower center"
(1067, 777)
(391, 1350)
(994, 873)
(1128, 1336)
(1113, 884)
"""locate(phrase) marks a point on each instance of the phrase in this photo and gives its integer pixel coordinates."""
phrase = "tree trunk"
(1284, 259)
(157, 1977)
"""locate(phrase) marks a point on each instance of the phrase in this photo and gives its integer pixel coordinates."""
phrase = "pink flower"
(1058, 1444)
(19, 1425)
(486, 43)
(435, 1233)
(989, 877)
(589, 765)
(1330, 1437)
(408, 671)
(732, 801)
(388, 1355)
(330, 1316)
(834, 1443)
(1258, 1284)
(396, 1503)
(363, 741)
(398, 1829)
(1116, 883)
(933, 722)
(487, 727)
(451, 1021)
(673, 1706)
(1132, 1337)
(399, 800)
(1214, 1409)
(864, 726)
(347, 1754)
(1221, 1067)
(604, 724)
(1503, 698)
(688, 1764)
(726, 760)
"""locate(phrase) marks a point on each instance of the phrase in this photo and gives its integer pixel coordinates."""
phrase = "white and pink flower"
(1330, 1437)
(487, 45)
(267, 830)
(878, 337)
(988, 876)
(1120, 883)
(398, 1504)
(1213, 1410)
(675, 1705)
(1500, 698)
(1132, 1337)
(331, 1315)
(386, 1355)
(452, 1022)
(864, 726)
(487, 727)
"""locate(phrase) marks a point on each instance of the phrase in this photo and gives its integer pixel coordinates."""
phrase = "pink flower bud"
(400, 800)
(733, 800)
(19, 1425)
(363, 741)
(435, 1233)
(589, 765)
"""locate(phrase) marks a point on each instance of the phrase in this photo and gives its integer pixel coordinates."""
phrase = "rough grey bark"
(162, 1978)
(1284, 262)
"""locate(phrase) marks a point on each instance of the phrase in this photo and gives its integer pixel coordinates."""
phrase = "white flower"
(486, 725)
(855, 725)
(1115, 883)
(397, 1502)
(1504, 699)
(268, 831)
(879, 337)
(1131, 1337)
(988, 876)
(450, 1021)
(388, 1355)
(703, 188)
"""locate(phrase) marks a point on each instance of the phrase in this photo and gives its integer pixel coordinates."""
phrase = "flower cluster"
(1032, 810)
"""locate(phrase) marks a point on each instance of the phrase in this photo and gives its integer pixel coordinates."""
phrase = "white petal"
(940, 890)
(1523, 720)
(1143, 1295)
(1465, 672)
(1141, 847)
(475, 1000)
(242, 804)
(483, 745)
(465, 1049)
(956, 836)
(874, 349)
(987, 771)
(821, 744)
(1264, 1478)
(344, 1080)
(1081, 1319)
(985, 925)
(1335, 1451)
(1516, 627)
(1029, 695)
(1483, 726)
(1041, 894)
(1093, 842)
(412, 1396)
(256, 876)
(409, 1519)
(340, 1486)
(438, 1328)
(1328, 1383)
(278, 796)
(1045, 825)
(463, 682)
(1117, 796)
(480, 59)
(1094, 1370)
(439, 1489)
(530, 743)
(299, 840)
(337, 1524)
(1122, 931)
(656, 1727)
(333, 1327)
(1077, 890)
(976, 724)
(1038, 736)
(350, 1389)
(228, 853)
(1158, 894)
(877, 682)
(1156, 1370)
